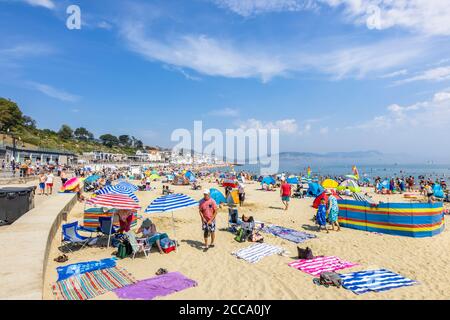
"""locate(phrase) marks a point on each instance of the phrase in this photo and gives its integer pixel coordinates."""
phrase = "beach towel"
(318, 265)
(374, 280)
(159, 286)
(91, 284)
(68, 271)
(288, 234)
(256, 252)
(359, 196)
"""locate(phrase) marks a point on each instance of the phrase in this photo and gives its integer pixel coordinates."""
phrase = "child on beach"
(321, 216)
(42, 180)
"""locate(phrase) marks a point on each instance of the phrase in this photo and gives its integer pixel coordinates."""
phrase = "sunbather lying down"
(148, 230)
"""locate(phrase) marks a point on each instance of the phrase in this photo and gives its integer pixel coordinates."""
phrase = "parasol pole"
(110, 229)
(174, 232)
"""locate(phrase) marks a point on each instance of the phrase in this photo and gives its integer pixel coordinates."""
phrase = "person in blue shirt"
(321, 216)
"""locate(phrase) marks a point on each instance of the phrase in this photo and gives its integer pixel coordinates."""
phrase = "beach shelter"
(92, 178)
(349, 184)
(384, 185)
(189, 174)
(217, 196)
(170, 177)
(113, 201)
(314, 189)
(330, 184)
(268, 180)
(293, 180)
(118, 190)
(324, 195)
(154, 172)
(437, 191)
(367, 180)
(351, 176)
(170, 203)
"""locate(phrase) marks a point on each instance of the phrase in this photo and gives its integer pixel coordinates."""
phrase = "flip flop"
(161, 271)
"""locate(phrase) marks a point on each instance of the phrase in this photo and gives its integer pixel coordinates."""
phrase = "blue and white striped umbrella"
(171, 203)
(128, 185)
(118, 190)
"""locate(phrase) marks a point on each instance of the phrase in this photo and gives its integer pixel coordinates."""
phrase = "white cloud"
(286, 126)
(53, 92)
(433, 113)
(49, 4)
(394, 74)
(248, 8)
(435, 74)
(227, 112)
(324, 130)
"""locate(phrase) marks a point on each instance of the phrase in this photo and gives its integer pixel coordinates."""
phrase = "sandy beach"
(220, 275)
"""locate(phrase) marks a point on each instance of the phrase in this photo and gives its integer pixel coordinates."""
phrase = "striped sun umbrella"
(118, 190)
(128, 185)
(171, 203)
(114, 201)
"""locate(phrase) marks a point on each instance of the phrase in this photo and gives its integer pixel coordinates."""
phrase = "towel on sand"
(374, 280)
(288, 234)
(162, 285)
(318, 265)
(70, 270)
(256, 252)
(91, 284)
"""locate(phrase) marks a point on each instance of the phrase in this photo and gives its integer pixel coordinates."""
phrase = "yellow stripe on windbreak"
(372, 225)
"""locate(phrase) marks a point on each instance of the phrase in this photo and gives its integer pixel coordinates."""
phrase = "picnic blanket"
(256, 252)
(162, 285)
(318, 265)
(70, 270)
(288, 234)
(91, 284)
(374, 280)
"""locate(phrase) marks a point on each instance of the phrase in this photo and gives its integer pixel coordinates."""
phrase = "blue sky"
(333, 75)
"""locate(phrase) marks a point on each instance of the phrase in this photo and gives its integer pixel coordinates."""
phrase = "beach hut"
(171, 203)
(416, 220)
(330, 184)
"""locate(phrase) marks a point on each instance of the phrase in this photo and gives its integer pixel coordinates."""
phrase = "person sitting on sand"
(151, 236)
(248, 225)
(321, 215)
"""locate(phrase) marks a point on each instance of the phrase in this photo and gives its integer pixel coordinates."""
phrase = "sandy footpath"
(222, 276)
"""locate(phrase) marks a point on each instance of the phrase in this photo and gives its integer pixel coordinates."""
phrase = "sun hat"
(147, 223)
(206, 191)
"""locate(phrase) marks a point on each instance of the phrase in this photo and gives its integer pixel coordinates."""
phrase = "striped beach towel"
(374, 280)
(318, 265)
(256, 252)
(91, 284)
(288, 234)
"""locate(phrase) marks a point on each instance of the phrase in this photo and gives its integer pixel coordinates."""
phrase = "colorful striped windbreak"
(91, 216)
(403, 219)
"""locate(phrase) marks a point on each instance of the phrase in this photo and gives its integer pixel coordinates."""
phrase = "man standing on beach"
(285, 192)
(208, 212)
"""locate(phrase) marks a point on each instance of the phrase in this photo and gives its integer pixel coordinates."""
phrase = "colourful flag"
(309, 172)
(355, 172)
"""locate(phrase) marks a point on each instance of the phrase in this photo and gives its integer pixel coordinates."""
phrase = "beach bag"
(330, 279)
(240, 237)
(124, 249)
(305, 253)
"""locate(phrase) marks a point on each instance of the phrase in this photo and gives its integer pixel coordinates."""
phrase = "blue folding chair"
(107, 227)
(71, 237)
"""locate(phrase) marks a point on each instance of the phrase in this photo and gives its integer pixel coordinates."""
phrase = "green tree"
(125, 140)
(83, 134)
(138, 144)
(65, 132)
(29, 122)
(10, 115)
(109, 140)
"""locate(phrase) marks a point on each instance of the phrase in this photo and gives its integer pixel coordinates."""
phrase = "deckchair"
(107, 227)
(70, 235)
(138, 245)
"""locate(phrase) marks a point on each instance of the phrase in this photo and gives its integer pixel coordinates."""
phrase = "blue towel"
(288, 234)
(70, 270)
(374, 280)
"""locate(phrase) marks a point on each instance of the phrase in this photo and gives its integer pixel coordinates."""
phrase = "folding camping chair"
(233, 218)
(138, 245)
(107, 227)
(70, 235)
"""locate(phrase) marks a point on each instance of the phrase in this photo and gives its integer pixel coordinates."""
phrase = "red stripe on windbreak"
(395, 224)
(412, 213)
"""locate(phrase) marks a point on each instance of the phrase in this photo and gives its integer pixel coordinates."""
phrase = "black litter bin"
(15, 202)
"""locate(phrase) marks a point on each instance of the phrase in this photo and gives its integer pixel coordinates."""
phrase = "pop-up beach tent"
(349, 184)
(268, 180)
(324, 195)
(293, 180)
(314, 189)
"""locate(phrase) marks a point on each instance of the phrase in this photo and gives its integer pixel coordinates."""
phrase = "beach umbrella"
(330, 184)
(71, 184)
(154, 177)
(92, 178)
(128, 185)
(229, 183)
(170, 203)
(118, 190)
